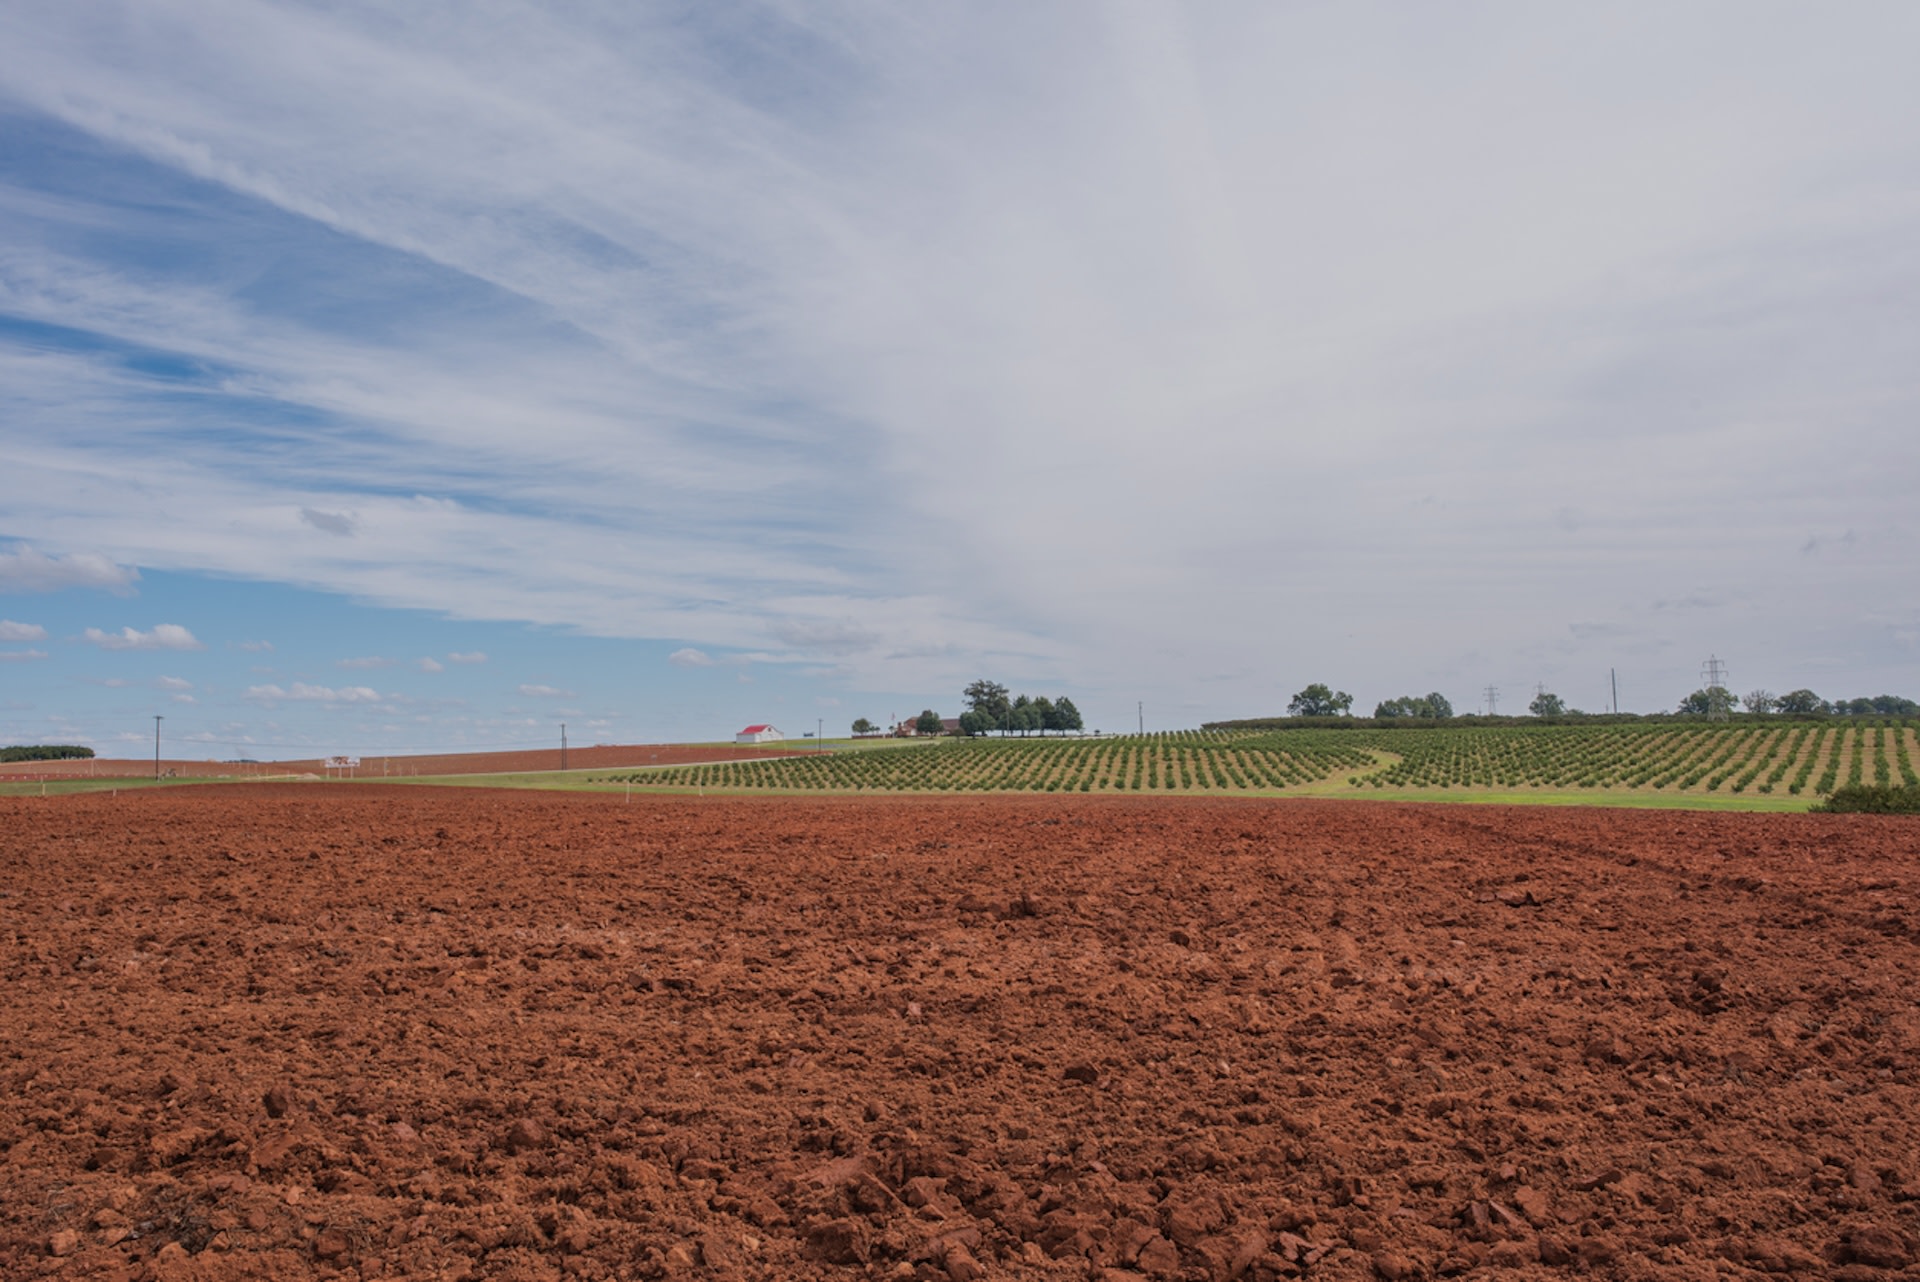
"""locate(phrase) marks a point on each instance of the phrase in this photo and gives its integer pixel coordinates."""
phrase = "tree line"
(1321, 703)
(1796, 703)
(991, 706)
(45, 752)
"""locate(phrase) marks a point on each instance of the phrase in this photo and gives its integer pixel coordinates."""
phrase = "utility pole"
(563, 745)
(819, 727)
(157, 719)
(1140, 709)
(1613, 680)
(1493, 699)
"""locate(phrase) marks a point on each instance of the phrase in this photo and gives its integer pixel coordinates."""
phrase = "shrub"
(1873, 799)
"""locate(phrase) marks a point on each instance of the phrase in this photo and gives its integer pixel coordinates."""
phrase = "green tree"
(1064, 716)
(1319, 701)
(1759, 701)
(989, 697)
(1043, 708)
(1802, 703)
(1025, 717)
(1714, 701)
(863, 727)
(1893, 705)
(974, 723)
(928, 722)
(1547, 704)
(1432, 707)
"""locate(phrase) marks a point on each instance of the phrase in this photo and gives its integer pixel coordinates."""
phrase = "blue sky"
(810, 360)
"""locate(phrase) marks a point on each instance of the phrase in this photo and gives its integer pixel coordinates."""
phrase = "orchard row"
(1187, 762)
(1789, 757)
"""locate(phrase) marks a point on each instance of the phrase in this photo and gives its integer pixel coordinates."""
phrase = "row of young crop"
(1681, 758)
(1188, 762)
(1795, 756)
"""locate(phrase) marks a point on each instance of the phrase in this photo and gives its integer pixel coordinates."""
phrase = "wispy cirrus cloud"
(11, 631)
(905, 348)
(545, 692)
(21, 656)
(26, 569)
(164, 636)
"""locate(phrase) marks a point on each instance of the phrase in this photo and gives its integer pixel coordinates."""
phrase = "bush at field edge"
(1872, 799)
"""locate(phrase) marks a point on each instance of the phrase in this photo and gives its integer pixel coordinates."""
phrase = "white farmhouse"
(759, 734)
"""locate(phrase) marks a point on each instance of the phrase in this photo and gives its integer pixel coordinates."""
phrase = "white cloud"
(427, 663)
(174, 683)
(21, 656)
(254, 647)
(545, 692)
(467, 657)
(301, 692)
(11, 631)
(26, 570)
(165, 636)
(370, 661)
(688, 657)
(184, 698)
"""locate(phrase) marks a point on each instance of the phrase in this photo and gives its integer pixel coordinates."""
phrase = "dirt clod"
(524, 1135)
(1876, 1245)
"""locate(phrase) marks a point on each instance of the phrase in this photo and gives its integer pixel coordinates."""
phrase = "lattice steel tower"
(1719, 698)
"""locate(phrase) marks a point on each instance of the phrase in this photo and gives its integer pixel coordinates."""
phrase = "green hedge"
(1872, 799)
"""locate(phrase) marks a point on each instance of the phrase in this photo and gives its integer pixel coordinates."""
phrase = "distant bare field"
(599, 757)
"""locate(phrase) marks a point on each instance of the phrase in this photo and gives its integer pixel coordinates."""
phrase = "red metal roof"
(755, 729)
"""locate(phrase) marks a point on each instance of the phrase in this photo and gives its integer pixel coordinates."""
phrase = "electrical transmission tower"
(1719, 698)
(1493, 699)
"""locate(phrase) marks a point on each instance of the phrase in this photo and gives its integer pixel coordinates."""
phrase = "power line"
(1493, 699)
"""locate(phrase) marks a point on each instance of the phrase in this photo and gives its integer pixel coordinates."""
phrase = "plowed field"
(304, 1032)
(597, 757)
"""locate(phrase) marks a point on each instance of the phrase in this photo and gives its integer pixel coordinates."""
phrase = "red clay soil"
(302, 1032)
(598, 757)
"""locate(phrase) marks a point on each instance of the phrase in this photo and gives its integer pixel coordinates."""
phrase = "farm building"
(759, 734)
(910, 728)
